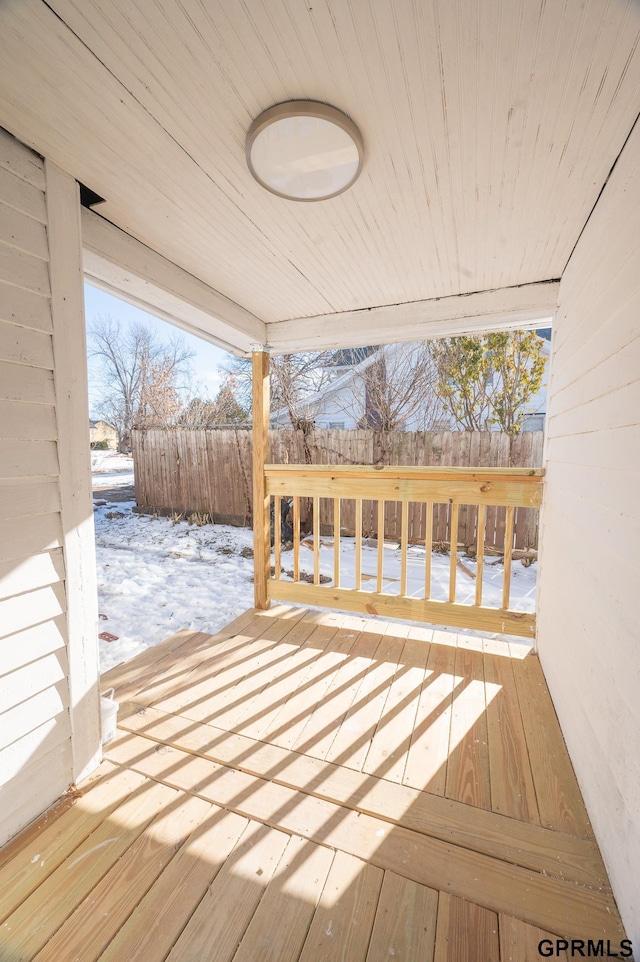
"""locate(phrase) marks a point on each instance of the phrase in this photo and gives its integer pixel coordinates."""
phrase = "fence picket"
(209, 471)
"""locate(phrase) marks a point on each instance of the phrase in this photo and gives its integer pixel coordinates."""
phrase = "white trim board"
(72, 414)
(508, 308)
(121, 265)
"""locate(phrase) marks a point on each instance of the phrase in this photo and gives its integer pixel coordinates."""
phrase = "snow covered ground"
(108, 468)
(156, 576)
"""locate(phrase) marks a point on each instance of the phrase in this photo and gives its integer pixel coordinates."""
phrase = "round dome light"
(304, 150)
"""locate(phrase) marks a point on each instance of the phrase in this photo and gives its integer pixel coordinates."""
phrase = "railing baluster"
(439, 490)
(453, 551)
(428, 548)
(482, 520)
(336, 542)
(404, 537)
(296, 538)
(380, 545)
(508, 549)
(358, 584)
(316, 541)
(277, 535)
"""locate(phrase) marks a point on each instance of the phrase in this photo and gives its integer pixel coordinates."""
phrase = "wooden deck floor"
(310, 786)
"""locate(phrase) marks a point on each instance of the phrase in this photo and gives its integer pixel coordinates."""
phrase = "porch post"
(261, 520)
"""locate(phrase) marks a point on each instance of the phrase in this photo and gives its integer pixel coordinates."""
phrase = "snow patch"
(156, 576)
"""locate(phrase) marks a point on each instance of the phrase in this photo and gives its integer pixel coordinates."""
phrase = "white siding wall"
(37, 705)
(588, 624)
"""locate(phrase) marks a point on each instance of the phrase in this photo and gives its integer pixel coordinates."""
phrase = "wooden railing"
(472, 498)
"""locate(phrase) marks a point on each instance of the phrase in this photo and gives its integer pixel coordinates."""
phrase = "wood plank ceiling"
(490, 128)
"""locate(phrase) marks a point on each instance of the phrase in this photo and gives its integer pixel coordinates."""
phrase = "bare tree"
(140, 375)
(295, 381)
(393, 388)
(225, 408)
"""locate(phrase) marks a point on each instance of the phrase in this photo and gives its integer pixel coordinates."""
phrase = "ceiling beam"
(121, 265)
(507, 308)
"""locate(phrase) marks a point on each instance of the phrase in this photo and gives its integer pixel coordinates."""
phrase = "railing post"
(261, 520)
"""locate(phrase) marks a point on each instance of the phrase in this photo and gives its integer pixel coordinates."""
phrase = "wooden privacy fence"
(477, 491)
(210, 472)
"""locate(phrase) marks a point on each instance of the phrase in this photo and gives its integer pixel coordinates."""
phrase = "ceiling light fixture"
(303, 150)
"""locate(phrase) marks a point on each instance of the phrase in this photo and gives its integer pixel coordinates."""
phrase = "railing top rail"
(439, 473)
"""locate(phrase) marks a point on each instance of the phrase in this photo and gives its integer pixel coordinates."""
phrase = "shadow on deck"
(314, 786)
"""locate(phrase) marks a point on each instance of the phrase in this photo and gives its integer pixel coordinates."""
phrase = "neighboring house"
(351, 400)
(500, 185)
(101, 431)
(344, 402)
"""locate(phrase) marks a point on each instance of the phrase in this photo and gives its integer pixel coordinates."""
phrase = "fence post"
(261, 525)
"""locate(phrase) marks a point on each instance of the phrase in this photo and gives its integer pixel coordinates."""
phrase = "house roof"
(93, 423)
(351, 377)
(349, 356)
(489, 132)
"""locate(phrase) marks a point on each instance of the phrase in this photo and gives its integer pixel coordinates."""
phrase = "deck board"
(260, 712)
(387, 755)
(468, 777)
(179, 890)
(342, 923)
(288, 727)
(222, 917)
(405, 923)
(482, 879)
(279, 927)
(512, 788)
(465, 932)
(519, 942)
(554, 853)
(22, 872)
(325, 721)
(427, 759)
(27, 930)
(103, 912)
(298, 773)
(351, 743)
(559, 799)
